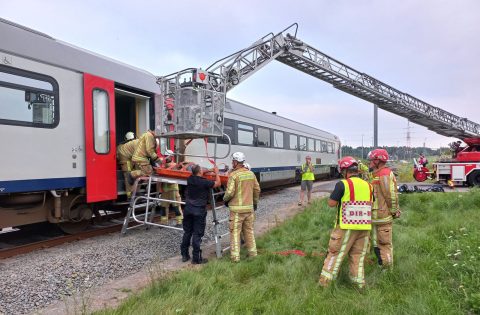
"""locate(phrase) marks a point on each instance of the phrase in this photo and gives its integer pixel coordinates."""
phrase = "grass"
(437, 269)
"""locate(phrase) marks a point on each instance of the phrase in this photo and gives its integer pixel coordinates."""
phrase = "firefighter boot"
(163, 216)
(197, 260)
(178, 216)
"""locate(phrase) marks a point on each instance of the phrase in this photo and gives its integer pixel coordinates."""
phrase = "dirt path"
(113, 293)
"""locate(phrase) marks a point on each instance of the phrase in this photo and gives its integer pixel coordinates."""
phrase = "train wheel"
(80, 215)
(474, 178)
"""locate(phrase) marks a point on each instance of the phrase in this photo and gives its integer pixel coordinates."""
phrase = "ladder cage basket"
(193, 105)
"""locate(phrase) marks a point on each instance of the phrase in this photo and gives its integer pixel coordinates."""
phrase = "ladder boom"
(347, 79)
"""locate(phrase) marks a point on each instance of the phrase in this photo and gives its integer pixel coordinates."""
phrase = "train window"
(263, 137)
(293, 142)
(317, 146)
(324, 146)
(303, 144)
(311, 144)
(229, 129)
(28, 99)
(330, 147)
(101, 130)
(245, 134)
(278, 139)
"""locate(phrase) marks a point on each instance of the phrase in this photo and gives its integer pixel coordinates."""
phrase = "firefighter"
(241, 195)
(385, 207)
(422, 160)
(145, 154)
(170, 192)
(307, 179)
(352, 197)
(125, 152)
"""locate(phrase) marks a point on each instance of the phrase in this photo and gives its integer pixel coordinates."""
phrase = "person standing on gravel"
(352, 197)
(241, 195)
(307, 180)
(195, 213)
(385, 206)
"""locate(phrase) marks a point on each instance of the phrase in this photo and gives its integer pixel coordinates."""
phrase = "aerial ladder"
(199, 96)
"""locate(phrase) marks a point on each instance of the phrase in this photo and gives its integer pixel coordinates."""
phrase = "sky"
(428, 49)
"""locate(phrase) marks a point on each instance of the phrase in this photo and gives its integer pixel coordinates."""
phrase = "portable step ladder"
(216, 222)
(148, 201)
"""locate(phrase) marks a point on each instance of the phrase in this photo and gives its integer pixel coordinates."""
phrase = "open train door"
(100, 146)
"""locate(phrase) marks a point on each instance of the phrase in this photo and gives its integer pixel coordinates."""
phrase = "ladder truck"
(199, 97)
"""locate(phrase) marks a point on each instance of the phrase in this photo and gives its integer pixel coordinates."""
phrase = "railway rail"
(56, 240)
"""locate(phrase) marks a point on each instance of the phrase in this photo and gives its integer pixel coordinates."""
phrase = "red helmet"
(347, 162)
(378, 154)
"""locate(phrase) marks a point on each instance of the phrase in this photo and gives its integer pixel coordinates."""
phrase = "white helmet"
(239, 157)
(129, 136)
(247, 166)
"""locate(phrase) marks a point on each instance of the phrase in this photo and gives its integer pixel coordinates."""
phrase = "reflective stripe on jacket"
(306, 173)
(358, 197)
(386, 195)
(146, 149)
(243, 190)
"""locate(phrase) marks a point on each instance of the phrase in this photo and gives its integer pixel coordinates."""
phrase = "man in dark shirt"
(195, 213)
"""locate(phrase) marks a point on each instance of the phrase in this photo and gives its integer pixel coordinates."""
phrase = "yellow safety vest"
(355, 211)
(308, 175)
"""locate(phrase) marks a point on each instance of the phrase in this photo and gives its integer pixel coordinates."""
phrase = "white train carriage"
(62, 112)
(275, 146)
(64, 109)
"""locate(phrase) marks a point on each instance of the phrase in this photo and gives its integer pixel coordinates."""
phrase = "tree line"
(396, 153)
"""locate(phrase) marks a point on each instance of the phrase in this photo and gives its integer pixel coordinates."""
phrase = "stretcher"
(183, 171)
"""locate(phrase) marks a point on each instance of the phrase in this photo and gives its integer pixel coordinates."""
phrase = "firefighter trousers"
(142, 170)
(242, 222)
(126, 167)
(342, 242)
(382, 243)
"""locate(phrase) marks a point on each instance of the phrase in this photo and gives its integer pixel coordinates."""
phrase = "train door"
(100, 146)
(132, 113)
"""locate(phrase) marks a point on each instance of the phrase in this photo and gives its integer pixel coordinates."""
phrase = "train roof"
(241, 109)
(25, 42)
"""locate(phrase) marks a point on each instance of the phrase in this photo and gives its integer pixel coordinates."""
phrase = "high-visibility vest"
(355, 211)
(306, 173)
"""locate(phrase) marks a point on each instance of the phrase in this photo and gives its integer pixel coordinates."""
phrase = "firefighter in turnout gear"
(145, 154)
(307, 179)
(170, 192)
(385, 206)
(241, 195)
(352, 197)
(125, 152)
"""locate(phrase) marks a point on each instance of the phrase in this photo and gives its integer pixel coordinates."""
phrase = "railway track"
(57, 240)
(30, 241)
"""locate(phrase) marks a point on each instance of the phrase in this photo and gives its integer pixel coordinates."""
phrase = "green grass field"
(437, 269)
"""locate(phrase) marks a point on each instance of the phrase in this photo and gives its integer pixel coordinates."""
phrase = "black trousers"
(194, 221)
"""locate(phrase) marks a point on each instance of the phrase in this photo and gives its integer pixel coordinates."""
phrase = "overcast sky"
(427, 48)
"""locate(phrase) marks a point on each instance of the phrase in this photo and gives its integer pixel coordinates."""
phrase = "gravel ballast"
(32, 281)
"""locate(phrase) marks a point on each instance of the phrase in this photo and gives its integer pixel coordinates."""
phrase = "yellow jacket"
(386, 196)
(146, 149)
(243, 190)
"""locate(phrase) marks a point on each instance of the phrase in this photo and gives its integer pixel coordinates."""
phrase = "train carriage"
(275, 146)
(64, 109)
